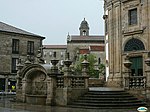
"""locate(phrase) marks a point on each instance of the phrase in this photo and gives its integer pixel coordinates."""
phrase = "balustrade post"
(67, 80)
(51, 89)
(51, 82)
(54, 61)
(127, 64)
(67, 71)
(85, 71)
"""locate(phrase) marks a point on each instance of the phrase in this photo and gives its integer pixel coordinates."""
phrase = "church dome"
(84, 24)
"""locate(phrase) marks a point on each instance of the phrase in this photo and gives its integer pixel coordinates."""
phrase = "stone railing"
(60, 82)
(135, 82)
(72, 81)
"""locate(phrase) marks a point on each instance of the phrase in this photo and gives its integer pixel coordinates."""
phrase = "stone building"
(15, 43)
(48, 51)
(86, 43)
(128, 35)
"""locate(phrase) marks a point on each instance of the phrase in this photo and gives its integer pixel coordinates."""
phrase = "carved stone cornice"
(128, 33)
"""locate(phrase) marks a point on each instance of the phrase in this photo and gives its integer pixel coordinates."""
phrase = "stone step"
(107, 92)
(108, 104)
(104, 107)
(107, 99)
(107, 96)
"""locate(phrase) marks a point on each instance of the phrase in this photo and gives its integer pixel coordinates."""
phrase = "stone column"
(147, 61)
(51, 82)
(85, 71)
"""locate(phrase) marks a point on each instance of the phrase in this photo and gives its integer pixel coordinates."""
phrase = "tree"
(92, 60)
(102, 69)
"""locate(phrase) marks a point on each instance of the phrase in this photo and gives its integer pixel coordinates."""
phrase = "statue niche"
(37, 83)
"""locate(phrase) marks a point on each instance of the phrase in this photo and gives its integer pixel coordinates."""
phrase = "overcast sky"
(53, 19)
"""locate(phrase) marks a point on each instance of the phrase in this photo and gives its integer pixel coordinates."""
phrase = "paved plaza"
(38, 108)
(6, 105)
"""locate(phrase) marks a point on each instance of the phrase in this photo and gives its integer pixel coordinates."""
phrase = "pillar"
(85, 71)
(51, 82)
(67, 81)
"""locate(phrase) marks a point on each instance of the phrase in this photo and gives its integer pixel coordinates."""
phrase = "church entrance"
(137, 66)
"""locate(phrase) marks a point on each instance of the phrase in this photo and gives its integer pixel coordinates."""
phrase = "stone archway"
(37, 84)
(34, 85)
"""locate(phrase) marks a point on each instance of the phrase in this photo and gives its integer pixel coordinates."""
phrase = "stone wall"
(6, 54)
(6, 49)
(95, 82)
(65, 95)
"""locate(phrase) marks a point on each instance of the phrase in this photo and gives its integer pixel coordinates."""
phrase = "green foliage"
(102, 69)
(92, 60)
(78, 66)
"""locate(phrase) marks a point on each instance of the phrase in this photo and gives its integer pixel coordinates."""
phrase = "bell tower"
(84, 28)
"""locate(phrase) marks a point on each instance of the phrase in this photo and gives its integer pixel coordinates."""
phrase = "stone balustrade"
(75, 81)
(37, 84)
(135, 82)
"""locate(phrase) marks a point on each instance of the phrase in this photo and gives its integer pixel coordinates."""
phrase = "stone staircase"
(107, 98)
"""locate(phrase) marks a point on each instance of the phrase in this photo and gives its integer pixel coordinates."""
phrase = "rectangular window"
(14, 65)
(62, 53)
(15, 46)
(133, 17)
(30, 47)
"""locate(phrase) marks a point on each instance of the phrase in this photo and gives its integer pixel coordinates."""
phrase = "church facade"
(127, 36)
(84, 43)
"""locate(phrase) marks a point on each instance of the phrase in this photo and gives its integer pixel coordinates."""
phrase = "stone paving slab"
(60, 109)
(21, 107)
(7, 106)
(105, 89)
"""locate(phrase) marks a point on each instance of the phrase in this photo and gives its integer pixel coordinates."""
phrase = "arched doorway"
(135, 45)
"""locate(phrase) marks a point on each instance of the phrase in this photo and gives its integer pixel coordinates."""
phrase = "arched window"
(134, 45)
(99, 60)
(84, 32)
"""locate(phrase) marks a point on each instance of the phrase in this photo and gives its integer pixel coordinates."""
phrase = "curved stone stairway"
(107, 98)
